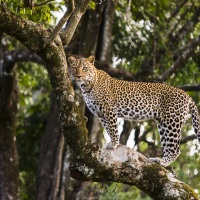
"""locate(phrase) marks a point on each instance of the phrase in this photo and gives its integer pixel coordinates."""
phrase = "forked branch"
(79, 10)
(54, 34)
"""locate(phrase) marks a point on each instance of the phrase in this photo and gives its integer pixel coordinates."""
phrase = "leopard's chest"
(95, 105)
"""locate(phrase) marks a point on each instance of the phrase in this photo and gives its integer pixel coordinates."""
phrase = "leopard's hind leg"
(195, 119)
(170, 141)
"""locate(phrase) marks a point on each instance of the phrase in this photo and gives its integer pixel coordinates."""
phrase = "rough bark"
(130, 167)
(88, 162)
(49, 173)
(105, 35)
(8, 153)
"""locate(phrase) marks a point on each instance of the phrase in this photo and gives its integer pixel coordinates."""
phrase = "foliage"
(34, 90)
(111, 191)
(92, 5)
(150, 36)
(37, 12)
(120, 191)
(186, 165)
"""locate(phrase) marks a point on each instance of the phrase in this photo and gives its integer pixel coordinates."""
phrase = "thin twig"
(80, 9)
(180, 60)
(41, 4)
(177, 10)
(187, 139)
(62, 21)
(190, 87)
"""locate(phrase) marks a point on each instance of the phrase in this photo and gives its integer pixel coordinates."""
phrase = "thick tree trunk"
(103, 52)
(49, 173)
(8, 161)
(8, 153)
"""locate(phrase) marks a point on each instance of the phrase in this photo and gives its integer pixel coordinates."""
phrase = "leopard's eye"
(74, 68)
(84, 68)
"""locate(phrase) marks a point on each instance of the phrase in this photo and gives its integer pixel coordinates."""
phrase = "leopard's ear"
(91, 59)
(71, 60)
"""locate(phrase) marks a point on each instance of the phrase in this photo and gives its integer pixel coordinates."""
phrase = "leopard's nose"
(78, 76)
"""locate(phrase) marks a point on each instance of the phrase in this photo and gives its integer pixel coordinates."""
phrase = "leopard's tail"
(195, 119)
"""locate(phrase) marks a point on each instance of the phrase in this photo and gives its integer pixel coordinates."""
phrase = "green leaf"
(92, 5)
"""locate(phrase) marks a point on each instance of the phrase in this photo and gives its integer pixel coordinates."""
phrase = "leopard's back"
(137, 100)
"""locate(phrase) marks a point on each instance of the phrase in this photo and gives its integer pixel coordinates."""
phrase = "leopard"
(110, 98)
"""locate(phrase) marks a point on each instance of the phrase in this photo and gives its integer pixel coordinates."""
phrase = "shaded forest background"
(155, 41)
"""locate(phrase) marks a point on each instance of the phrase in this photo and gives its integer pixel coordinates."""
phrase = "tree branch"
(27, 32)
(180, 60)
(176, 11)
(189, 87)
(62, 21)
(41, 4)
(127, 166)
(188, 138)
(178, 19)
(25, 55)
(187, 26)
(79, 10)
(14, 56)
(115, 72)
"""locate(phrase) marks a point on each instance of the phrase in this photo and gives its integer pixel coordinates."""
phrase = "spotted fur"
(109, 98)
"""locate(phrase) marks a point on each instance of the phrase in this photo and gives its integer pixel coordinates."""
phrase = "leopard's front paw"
(111, 145)
(160, 161)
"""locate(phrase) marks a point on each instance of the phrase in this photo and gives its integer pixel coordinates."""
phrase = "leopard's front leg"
(109, 121)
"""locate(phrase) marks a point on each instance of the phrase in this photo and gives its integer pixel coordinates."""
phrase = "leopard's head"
(83, 71)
